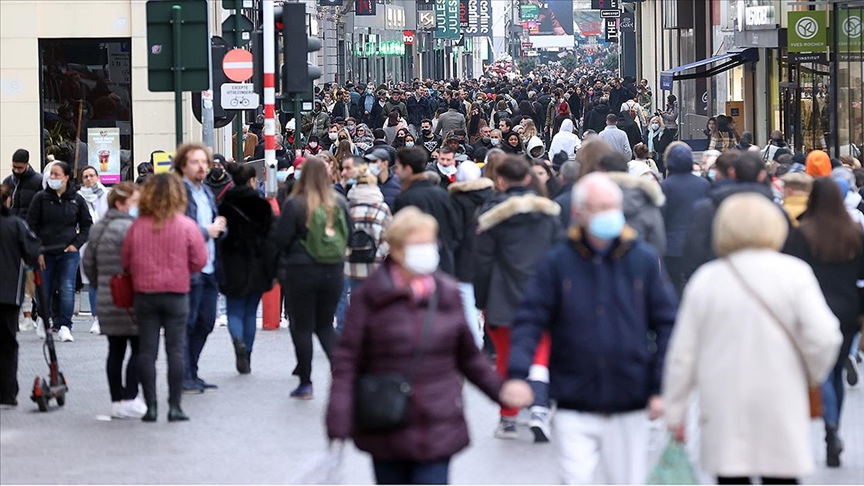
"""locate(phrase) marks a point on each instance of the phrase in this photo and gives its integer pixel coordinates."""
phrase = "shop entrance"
(806, 116)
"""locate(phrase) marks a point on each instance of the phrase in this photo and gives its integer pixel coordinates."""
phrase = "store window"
(86, 89)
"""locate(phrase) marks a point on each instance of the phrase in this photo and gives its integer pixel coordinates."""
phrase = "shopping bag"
(323, 468)
(674, 466)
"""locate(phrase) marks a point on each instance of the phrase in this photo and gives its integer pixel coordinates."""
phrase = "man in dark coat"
(23, 184)
(627, 125)
(596, 118)
(379, 164)
(418, 190)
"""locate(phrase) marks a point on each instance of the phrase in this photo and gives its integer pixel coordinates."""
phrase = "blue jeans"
(242, 312)
(472, 315)
(411, 472)
(59, 276)
(832, 389)
(91, 294)
(202, 318)
(342, 308)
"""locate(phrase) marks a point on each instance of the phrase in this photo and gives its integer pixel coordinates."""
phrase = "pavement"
(250, 432)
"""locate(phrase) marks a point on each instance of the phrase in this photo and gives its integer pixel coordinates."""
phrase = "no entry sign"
(238, 65)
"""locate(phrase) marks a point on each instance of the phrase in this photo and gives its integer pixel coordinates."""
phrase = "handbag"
(121, 291)
(381, 400)
(814, 390)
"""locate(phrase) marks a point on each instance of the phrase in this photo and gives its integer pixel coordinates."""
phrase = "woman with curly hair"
(163, 238)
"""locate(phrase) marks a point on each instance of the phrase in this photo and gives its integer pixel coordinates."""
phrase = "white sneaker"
(117, 410)
(138, 405)
(65, 335)
(540, 418)
(94, 328)
(507, 429)
(129, 409)
(283, 324)
(222, 321)
(40, 328)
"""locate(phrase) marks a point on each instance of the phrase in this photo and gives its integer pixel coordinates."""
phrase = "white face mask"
(55, 184)
(495, 141)
(333, 136)
(375, 169)
(422, 259)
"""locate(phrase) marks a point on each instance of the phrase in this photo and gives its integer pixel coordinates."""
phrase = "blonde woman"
(754, 409)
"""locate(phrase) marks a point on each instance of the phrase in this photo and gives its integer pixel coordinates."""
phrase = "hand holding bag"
(381, 400)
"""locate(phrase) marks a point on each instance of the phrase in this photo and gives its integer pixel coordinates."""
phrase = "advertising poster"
(103, 151)
(447, 19)
(553, 26)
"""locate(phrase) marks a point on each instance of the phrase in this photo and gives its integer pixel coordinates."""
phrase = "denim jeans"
(472, 315)
(342, 308)
(202, 317)
(411, 472)
(242, 312)
(59, 276)
(91, 294)
(832, 389)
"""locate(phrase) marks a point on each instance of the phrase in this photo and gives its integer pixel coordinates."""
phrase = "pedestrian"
(408, 319)
(513, 144)
(670, 116)
(615, 137)
(599, 295)
(23, 183)
(724, 136)
(657, 139)
(100, 264)
(96, 196)
(163, 237)
(514, 230)
(838, 262)
(218, 180)
(378, 161)
(19, 247)
(565, 141)
(60, 218)
(192, 162)
(753, 403)
(247, 259)
(312, 235)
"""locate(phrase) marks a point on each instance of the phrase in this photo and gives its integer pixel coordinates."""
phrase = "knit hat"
(467, 171)
(818, 164)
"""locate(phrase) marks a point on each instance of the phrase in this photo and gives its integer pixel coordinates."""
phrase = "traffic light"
(297, 72)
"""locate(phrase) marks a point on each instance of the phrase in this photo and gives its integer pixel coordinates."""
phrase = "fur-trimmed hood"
(651, 190)
(516, 205)
(469, 186)
(576, 236)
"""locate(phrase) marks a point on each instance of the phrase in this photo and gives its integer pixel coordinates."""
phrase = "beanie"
(818, 164)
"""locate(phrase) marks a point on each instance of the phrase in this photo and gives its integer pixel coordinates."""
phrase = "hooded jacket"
(59, 221)
(629, 126)
(248, 255)
(643, 199)
(23, 188)
(513, 232)
(535, 142)
(682, 190)
(468, 199)
(565, 141)
(596, 118)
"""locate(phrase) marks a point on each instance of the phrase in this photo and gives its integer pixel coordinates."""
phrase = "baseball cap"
(377, 154)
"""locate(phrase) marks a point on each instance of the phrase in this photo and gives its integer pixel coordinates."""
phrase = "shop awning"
(717, 65)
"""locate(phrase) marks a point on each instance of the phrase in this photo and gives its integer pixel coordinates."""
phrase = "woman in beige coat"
(752, 380)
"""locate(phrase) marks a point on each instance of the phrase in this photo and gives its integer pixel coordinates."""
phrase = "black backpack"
(363, 247)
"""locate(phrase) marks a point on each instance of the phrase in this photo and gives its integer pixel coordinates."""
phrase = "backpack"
(327, 244)
(363, 247)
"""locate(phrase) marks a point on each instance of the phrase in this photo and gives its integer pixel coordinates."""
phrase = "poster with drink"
(103, 149)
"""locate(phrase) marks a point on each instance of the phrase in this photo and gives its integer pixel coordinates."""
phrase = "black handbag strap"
(431, 311)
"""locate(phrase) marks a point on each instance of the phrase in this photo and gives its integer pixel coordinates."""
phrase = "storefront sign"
(408, 37)
(808, 31)
(819, 57)
(760, 17)
(529, 12)
(426, 20)
(850, 38)
(447, 19)
(103, 152)
(366, 8)
(611, 30)
(479, 18)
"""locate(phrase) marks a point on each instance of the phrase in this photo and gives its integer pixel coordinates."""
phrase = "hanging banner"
(850, 38)
(808, 31)
(366, 8)
(463, 13)
(479, 18)
(425, 4)
(447, 19)
(103, 153)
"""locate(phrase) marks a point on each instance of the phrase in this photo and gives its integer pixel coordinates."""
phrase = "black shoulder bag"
(381, 400)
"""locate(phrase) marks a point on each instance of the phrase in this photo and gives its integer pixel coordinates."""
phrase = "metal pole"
(270, 184)
(207, 108)
(834, 93)
(298, 104)
(176, 20)
(238, 123)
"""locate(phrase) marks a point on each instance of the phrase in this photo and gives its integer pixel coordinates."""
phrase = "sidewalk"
(250, 432)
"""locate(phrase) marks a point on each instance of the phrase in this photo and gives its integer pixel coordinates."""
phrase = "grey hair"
(279, 138)
(594, 181)
(570, 171)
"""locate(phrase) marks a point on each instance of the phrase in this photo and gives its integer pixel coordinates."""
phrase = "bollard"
(271, 302)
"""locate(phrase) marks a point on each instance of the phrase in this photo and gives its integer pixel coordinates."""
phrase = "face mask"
(375, 169)
(712, 174)
(409, 144)
(351, 182)
(697, 173)
(216, 173)
(333, 136)
(422, 259)
(494, 141)
(297, 174)
(426, 132)
(282, 176)
(313, 144)
(133, 211)
(55, 184)
(368, 91)
(655, 126)
(351, 128)
(607, 225)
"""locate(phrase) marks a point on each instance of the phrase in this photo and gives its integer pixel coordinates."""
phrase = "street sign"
(230, 29)
(610, 14)
(239, 96)
(238, 65)
(426, 19)
(193, 47)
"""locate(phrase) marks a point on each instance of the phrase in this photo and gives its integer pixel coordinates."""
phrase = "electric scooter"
(54, 386)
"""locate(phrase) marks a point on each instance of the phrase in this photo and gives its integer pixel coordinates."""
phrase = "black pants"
(114, 367)
(8, 353)
(765, 480)
(411, 472)
(675, 268)
(154, 312)
(313, 293)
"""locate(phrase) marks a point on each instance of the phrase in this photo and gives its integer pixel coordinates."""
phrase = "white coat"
(751, 381)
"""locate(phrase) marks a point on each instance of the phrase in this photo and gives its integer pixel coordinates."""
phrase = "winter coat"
(659, 141)
(316, 124)
(390, 189)
(596, 118)
(59, 221)
(19, 247)
(418, 110)
(218, 186)
(371, 214)
(565, 141)
(452, 120)
(23, 190)
(617, 140)
(599, 310)
(101, 262)
(513, 232)
(643, 199)
(682, 190)
(433, 200)
(380, 336)
(628, 126)
(248, 255)
(468, 199)
(753, 405)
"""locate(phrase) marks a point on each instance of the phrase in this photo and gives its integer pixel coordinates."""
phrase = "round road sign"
(237, 65)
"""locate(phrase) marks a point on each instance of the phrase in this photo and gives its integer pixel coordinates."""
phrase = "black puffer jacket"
(596, 118)
(23, 189)
(513, 233)
(248, 255)
(468, 199)
(59, 221)
(18, 247)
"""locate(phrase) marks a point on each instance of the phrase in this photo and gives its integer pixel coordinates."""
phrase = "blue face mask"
(133, 211)
(351, 182)
(282, 176)
(607, 225)
(712, 174)
(297, 175)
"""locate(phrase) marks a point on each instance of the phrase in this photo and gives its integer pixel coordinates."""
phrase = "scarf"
(448, 172)
(365, 194)
(92, 194)
(651, 135)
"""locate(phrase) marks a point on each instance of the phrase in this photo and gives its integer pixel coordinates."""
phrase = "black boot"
(175, 414)
(150, 416)
(833, 446)
(242, 355)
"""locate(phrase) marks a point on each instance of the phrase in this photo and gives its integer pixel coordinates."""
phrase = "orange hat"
(818, 164)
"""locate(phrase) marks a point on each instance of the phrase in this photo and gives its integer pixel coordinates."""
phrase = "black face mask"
(216, 173)
(426, 132)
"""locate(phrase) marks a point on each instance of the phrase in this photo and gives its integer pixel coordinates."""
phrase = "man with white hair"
(609, 308)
